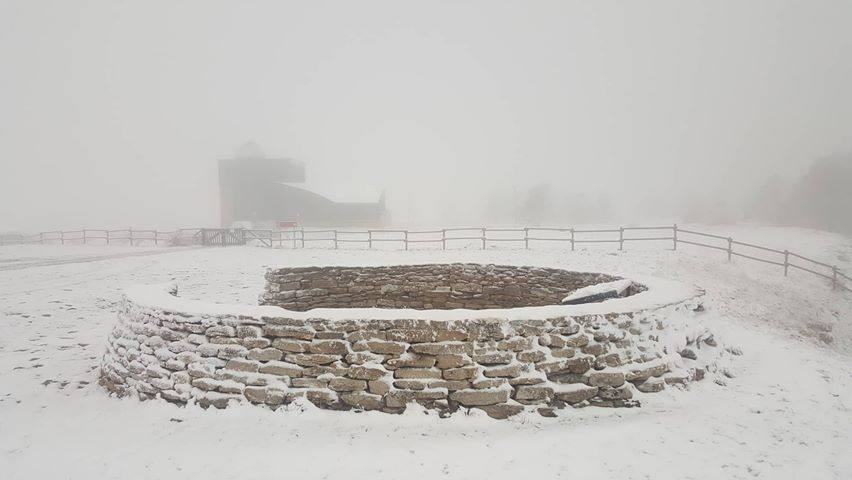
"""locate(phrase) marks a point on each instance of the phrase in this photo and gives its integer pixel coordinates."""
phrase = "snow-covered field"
(786, 414)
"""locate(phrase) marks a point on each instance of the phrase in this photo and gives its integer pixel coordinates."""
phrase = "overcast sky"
(113, 113)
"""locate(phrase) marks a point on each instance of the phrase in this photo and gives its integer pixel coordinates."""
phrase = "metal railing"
(445, 238)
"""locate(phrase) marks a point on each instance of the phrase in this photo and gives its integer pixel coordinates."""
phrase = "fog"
(115, 113)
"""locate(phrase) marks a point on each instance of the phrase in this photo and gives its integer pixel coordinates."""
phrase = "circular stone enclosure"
(427, 351)
(425, 287)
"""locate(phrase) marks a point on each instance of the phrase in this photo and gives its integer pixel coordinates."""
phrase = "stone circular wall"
(500, 361)
(424, 287)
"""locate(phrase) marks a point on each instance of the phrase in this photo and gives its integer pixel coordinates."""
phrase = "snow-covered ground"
(786, 414)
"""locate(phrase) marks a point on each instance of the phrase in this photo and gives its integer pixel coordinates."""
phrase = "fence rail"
(446, 237)
(129, 236)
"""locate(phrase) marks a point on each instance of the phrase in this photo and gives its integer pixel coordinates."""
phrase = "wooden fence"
(446, 238)
(129, 236)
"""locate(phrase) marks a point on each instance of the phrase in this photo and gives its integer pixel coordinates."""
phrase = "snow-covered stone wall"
(500, 361)
(431, 286)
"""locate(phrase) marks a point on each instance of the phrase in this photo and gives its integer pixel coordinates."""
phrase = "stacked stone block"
(497, 365)
(436, 286)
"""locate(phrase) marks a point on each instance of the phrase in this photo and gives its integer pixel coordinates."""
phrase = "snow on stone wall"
(430, 286)
(214, 355)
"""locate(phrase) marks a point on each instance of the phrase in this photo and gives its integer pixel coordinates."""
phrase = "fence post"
(130, 235)
(483, 238)
(730, 248)
(444, 239)
(302, 231)
(335, 239)
(369, 239)
(526, 238)
(84, 236)
(155, 238)
(572, 239)
(674, 237)
(405, 238)
(107, 236)
(786, 261)
(61, 237)
(620, 238)
(41, 238)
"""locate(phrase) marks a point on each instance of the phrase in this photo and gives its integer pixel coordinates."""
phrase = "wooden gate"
(223, 237)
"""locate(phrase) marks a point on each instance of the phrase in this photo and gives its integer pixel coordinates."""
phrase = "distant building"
(264, 191)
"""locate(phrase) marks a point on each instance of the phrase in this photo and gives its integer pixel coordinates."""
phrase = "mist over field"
(384, 239)
(114, 114)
